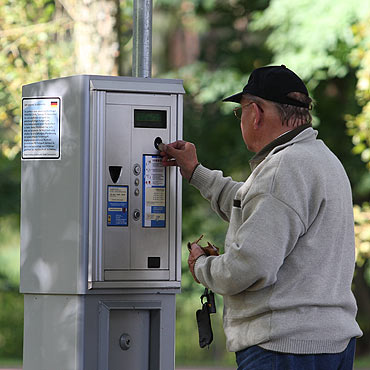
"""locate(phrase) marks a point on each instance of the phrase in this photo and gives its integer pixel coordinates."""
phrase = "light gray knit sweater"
(289, 255)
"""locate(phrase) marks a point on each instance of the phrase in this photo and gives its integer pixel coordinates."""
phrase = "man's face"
(246, 123)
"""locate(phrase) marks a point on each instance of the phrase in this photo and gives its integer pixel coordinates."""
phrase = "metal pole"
(142, 38)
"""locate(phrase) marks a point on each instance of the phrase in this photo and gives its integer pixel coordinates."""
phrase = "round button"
(125, 342)
(136, 214)
(137, 192)
(137, 169)
(137, 182)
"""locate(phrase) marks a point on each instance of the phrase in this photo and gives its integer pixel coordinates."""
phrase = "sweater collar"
(281, 140)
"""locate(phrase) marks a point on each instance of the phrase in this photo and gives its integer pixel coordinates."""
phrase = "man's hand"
(195, 252)
(182, 154)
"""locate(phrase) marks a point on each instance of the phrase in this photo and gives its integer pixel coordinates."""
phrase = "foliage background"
(213, 45)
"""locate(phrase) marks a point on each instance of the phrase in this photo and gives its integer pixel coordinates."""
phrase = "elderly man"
(286, 273)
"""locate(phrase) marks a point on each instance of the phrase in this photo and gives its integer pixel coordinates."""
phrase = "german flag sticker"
(54, 103)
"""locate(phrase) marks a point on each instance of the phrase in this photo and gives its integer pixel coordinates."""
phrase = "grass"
(9, 248)
(10, 363)
(362, 362)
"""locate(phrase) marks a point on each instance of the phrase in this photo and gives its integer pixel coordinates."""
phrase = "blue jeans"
(257, 358)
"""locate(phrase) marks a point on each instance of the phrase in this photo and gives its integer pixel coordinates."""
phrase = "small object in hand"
(160, 147)
(211, 250)
(196, 242)
(196, 250)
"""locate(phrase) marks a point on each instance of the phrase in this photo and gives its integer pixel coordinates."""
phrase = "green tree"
(359, 129)
(35, 40)
(359, 125)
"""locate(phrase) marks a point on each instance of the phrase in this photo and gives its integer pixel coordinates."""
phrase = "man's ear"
(257, 116)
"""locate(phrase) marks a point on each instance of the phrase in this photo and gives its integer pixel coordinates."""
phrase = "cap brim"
(236, 98)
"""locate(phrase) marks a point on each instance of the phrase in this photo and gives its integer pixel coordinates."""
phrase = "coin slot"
(157, 141)
(115, 173)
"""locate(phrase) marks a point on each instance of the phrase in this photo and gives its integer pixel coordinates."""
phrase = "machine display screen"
(150, 118)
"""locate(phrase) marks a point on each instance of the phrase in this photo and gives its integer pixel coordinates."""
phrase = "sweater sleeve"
(216, 188)
(268, 233)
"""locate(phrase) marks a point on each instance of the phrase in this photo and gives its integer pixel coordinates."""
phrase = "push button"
(125, 342)
(136, 215)
(137, 169)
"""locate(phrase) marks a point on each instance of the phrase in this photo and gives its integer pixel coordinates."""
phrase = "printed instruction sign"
(117, 205)
(41, 128)
(154, 191)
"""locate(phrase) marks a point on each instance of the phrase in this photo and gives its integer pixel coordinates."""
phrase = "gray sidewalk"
(194, 368)
(198, 368)
(205, 368)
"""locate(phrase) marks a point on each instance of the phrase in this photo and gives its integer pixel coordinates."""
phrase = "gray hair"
(290, 115)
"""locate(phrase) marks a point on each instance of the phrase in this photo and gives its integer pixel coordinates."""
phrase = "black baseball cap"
(273, 83)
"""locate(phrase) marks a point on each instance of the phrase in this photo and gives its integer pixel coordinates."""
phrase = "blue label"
(154, 191)
(117, 205)
(158, 215)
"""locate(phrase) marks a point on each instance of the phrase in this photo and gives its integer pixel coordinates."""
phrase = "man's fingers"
(168, 149)
(182, 154)
(178, 144)
(169, 162)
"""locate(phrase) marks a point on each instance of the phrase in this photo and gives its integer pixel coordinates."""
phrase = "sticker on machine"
(154, 191)
(117, 205)
(41, 128)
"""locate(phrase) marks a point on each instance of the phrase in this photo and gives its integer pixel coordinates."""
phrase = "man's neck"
(279, 140)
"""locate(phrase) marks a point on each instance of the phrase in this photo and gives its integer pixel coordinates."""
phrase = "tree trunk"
(95, 35)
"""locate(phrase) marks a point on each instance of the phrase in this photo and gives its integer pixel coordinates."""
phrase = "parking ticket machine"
(100, 223)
